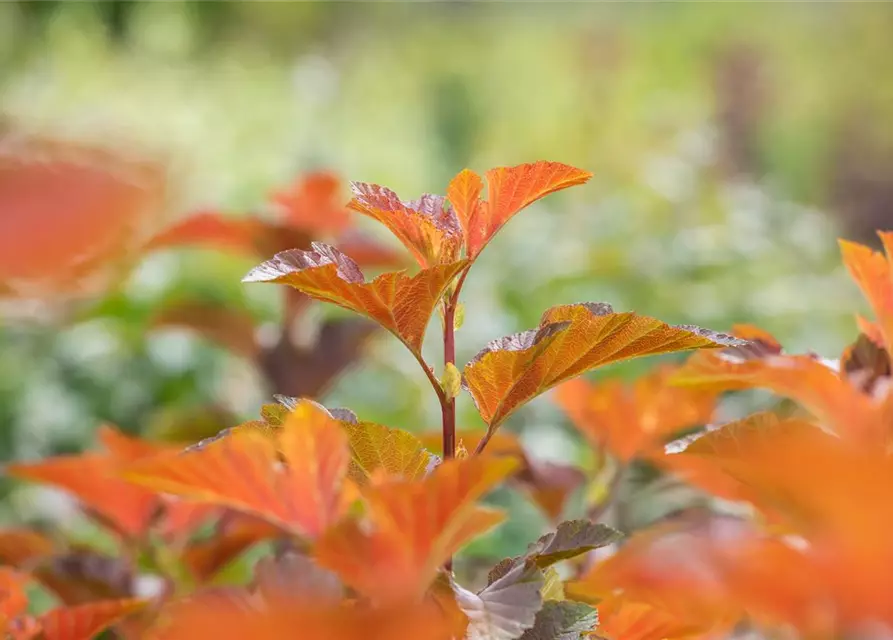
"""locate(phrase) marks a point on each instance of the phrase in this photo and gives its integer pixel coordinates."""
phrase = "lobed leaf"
(242, 471)
(570, 340)
(428, 227)
(413, 527)
(401, 304)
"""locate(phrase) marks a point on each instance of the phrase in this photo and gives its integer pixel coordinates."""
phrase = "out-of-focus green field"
(731, 144)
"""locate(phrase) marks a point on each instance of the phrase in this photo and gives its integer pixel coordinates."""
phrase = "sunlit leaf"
(412, 528)
(401, 304)
(631, 420)
(509, 189)
(242, 471)
(570, 340)
(621, 618)
(428, 227)
(562, 621)
(375, 448)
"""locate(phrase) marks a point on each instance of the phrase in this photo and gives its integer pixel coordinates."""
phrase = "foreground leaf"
(401, 304)
(87, 620)
(412, 528)
(570, 340)
(242, 471)
(621, 618)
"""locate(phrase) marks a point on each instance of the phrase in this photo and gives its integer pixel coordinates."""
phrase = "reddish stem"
(448, 407)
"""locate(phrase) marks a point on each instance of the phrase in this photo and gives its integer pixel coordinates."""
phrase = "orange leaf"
(87, 620)
(464, 194)
(72, 217)
(630, 421)
(872, 273)
(245, 235)
(236, 614)
(509, 189)
(414, 526)
(871, 330)
(427, 227)
(401, 304)
(808, 381)
(234, 534)
(549, 485)
(313, 204)
(13, 601)
(621, 618)
(570, 340)
(242, 471)
(709, 573)
(93, 479)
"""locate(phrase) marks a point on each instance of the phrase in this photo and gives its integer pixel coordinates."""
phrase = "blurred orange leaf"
(632, 420)
(401, 304)
(242, 471)
(85, 621)
(233, 329)
(427, 226)
(570, 340)
(620, 618)
(313, 203)
(805, 379)
(232, 535)
(20, 547)
(413, 527)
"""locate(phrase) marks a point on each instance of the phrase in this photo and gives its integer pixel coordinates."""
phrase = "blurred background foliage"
(731, 144)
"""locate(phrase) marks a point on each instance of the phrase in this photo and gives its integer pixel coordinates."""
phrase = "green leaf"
(562, 621)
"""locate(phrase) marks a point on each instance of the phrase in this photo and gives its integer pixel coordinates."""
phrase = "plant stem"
(448, 405)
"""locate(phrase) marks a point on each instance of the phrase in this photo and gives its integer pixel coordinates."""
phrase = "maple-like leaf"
(873, 274)
(242, 471)
(564, 620)
(506, 607)
(805, 379)
(376, 449)
(401, 304)
(632, 420)
(412, 528)
(570, 340)
(510, 189)
(428, 227)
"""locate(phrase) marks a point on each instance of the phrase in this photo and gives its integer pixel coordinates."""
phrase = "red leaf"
(413, 527)
(242, 471)
(510, 189)
(401, 304)
(570, 340)
(87, 620)
(427, 227)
